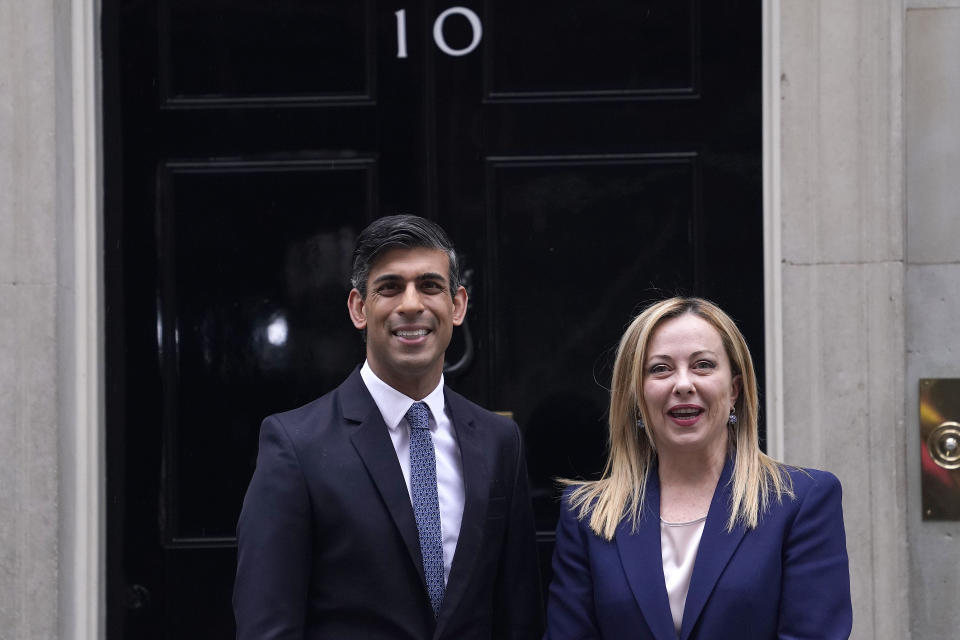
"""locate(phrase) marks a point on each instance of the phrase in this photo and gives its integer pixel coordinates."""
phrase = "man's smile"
(411, 333)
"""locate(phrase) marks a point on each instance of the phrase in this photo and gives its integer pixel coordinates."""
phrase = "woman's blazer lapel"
(642, 558)
(643, 562)
(717, 547)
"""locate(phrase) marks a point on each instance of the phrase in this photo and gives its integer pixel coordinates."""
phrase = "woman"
(693, 532)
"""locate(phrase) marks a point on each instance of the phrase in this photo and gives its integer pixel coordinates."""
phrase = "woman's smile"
(686, 415)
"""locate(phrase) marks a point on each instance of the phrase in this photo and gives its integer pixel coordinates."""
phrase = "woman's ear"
(735, 386)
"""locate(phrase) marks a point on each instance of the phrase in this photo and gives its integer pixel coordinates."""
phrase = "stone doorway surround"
(835, 247)
(834, 270)
(51, 503)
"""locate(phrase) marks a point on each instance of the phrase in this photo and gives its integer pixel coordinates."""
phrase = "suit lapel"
(372, 441)
(476, 484)
(716, 548)
(643, 562)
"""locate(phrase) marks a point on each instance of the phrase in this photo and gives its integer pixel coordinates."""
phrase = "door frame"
(80, 376)
(82, 464)
(772, 225)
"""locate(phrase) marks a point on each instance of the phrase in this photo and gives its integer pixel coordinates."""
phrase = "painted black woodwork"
(586, 158)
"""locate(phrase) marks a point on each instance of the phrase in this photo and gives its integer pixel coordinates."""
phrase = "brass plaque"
(940, 448)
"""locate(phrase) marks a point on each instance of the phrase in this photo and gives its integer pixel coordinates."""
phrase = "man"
(392, 507)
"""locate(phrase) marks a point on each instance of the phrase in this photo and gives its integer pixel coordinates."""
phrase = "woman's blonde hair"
(620, 492)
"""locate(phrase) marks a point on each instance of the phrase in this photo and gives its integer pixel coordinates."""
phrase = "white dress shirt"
(393, 407)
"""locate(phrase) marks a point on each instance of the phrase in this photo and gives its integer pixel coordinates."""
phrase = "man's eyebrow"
(391, 277)
(432, 275)
(386, 277)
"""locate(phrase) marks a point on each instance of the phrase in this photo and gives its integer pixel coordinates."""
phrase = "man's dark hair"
(404, 232)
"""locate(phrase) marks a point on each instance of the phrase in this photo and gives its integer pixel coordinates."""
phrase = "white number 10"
(438, 38)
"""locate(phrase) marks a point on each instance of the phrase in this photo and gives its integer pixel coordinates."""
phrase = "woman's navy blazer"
(787, 578)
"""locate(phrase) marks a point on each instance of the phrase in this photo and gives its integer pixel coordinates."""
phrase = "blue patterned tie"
(426, 504)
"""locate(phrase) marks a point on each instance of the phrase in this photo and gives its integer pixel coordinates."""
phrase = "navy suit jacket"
(328, 544)
(787, 578)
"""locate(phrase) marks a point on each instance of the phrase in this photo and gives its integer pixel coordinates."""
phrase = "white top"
(679, 542)
(393, 407)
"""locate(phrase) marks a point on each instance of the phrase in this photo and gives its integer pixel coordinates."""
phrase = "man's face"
(409, 315)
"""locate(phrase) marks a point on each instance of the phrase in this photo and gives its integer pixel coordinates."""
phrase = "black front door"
(585, 157)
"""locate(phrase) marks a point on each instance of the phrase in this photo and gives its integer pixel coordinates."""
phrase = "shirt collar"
(394, 405)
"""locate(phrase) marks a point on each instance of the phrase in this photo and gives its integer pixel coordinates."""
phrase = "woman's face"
(688, 386)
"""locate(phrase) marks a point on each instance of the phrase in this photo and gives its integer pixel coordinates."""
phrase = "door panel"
(235, 52)
(590, 50)
(585, 158)
(570, 239)
(255, 270)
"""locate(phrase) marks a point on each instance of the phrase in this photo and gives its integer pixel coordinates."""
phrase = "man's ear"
(459, 306)
(358, 313)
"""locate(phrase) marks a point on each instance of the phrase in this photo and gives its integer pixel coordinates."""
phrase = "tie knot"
(418, 415)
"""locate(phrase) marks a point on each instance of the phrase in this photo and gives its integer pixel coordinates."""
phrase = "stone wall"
(932, 300)
(28, 322)
(867, 234)
(842, 280)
